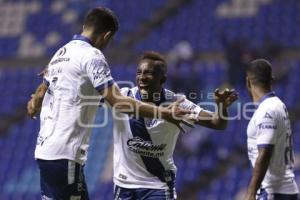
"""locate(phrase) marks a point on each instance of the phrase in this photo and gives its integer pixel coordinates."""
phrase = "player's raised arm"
(35, 103)
(218, 120)
(129, 105)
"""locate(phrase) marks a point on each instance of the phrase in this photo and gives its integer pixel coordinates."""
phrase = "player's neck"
(258, 93)
(88, 34)
(152, 97)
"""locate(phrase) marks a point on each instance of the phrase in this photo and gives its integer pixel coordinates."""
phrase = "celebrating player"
(269, 134)
(77, 72)
(143, 147)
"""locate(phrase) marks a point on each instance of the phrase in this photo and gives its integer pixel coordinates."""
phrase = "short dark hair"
(101, 20)
(259, 72)
(157, 59)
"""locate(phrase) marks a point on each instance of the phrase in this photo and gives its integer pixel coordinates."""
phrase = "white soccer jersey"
(74, 74)
(143, 148)
(270, 125)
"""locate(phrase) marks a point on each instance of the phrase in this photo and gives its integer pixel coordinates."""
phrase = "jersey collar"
(82, 38)
(162, 96)
(268, 95)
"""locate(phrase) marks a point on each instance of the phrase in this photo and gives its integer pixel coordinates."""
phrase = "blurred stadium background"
(207, 43)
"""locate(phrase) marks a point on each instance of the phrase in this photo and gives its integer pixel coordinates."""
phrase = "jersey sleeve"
(98, 72)
(266, 127)
(188, 105)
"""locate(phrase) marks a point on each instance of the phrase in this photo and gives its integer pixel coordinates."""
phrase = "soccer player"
(143, 147)
(77, 72)
(269, 134)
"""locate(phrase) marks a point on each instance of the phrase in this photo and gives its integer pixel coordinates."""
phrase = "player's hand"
(179, 116)
(31, 110)
(225, 97)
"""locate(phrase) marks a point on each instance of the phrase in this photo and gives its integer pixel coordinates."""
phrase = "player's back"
(273, 128)
(72, 76)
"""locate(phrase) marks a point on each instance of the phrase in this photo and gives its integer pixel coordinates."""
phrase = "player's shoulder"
(272, 104)
(270, 108)
(94, 57)
(92, 52)
(84, 49)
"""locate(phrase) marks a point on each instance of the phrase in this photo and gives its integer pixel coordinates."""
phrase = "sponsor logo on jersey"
(58, 60)
(267, 126)
(268, 116)
(145, 148)
(62, 51)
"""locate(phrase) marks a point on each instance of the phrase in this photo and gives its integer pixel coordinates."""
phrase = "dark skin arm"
(35, 103)
(218, 120)
(259, 171)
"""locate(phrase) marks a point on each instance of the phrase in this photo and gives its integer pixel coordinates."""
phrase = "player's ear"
(108, 35)
(248, 83)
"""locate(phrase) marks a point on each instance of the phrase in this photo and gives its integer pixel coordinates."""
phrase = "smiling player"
(143, 147)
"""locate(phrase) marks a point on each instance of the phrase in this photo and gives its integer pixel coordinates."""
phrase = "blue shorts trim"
(62, 179)
(143, 193)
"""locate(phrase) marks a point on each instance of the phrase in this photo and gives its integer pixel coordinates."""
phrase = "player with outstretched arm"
(143, 147)
(75, 75)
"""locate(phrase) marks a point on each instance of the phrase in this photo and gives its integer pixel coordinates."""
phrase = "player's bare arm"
(129, 105)
(218, 120)
(259, 171)
(35, 103)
